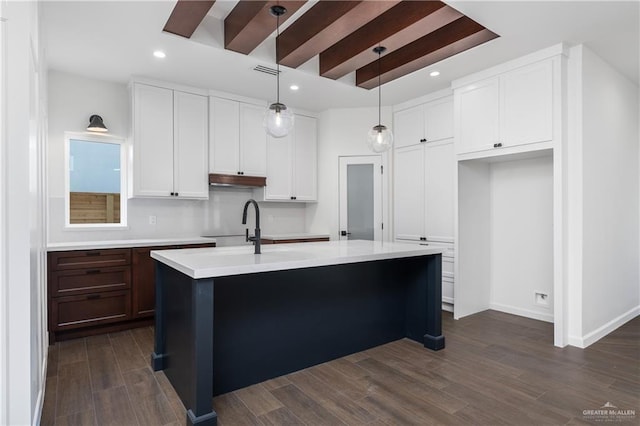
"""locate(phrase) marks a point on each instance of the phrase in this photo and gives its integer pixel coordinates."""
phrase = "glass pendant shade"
(96, 124)
(278, 120)
(379, 138)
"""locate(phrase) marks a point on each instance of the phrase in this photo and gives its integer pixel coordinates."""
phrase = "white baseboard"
(447, 307)
(521, 312)
(600, 332)
(37, 415)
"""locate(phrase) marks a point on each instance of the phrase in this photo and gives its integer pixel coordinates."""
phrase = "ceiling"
(115, 40)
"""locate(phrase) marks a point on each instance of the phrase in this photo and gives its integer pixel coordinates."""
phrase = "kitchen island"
(227, 318)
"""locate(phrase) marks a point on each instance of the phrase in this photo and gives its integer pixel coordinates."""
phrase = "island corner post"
(215, 335)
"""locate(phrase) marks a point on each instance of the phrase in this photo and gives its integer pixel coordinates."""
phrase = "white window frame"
(95, 137)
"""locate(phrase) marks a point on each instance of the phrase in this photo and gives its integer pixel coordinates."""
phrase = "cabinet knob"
(176, 194)
(423, 140)
(173, 193)
(497, 145)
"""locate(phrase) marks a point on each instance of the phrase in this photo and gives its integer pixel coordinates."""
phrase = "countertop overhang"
(228, 261)
(145, 242)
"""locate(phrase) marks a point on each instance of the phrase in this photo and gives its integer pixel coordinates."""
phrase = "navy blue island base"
(215, 335)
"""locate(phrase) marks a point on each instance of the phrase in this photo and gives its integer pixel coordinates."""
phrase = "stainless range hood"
(241, 181)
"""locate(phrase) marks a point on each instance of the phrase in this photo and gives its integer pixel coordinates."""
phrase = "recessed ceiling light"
(294, 87)
(159, 54)
(434, 73)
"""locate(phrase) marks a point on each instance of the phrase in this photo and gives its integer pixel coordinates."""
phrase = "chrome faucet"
(256, 237)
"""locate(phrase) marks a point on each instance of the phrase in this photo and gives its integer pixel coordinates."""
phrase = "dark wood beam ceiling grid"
(186, 16)
(400, 25)
(461, 34)
(323, 25)
(416, 33)
(250, 23)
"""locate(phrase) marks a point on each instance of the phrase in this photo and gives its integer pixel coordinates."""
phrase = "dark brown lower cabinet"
(144, 282)
(101, 291)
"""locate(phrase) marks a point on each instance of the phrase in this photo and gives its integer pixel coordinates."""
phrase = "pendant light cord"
(277, 60)
(379, 94)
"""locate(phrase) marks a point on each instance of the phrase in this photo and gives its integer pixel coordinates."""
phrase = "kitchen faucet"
(256, 237)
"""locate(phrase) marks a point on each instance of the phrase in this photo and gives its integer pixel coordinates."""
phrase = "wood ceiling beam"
(186, 16)
(250, 23)
(400, 25)
(458, 36)
(323, 25)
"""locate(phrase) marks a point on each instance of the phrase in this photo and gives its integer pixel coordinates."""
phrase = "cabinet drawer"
(90, 309)
(78, 259)
(80, 281)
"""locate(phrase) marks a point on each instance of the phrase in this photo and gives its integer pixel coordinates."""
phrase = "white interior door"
(361, 198)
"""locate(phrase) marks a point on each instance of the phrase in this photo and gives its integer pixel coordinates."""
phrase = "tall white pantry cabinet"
(424, 166)
(510, 189)
(170, 142)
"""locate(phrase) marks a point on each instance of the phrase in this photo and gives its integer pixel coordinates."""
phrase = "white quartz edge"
(280, 237)
(228, 261)
(148, 242)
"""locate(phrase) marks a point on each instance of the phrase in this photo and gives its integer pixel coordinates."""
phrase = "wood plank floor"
(496, 369)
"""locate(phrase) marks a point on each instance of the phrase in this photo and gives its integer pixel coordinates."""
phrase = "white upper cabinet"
(253, 140)
(224, 146)
(238, 140)
(527, 104)
(428, 122)
(305, 159)
(170, 132)
(477, 108)
(292, 164)
(190, 142)
(508, 110)
(279, 169)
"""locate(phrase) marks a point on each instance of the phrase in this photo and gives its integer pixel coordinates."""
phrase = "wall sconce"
(96, 124)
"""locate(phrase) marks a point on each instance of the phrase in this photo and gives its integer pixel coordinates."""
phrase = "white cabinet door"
(152, 141)
(409, 193)
(224, 144)
(527, 104)
(253, 141)
(438, 119)
(191, 140)
(408, 126)
(279, 168)
(477, 114)
(440, 165)
(305, 185)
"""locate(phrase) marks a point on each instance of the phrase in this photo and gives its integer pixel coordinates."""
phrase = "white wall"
(610, 139)
(72, 99)
(521, 238)
(343, 132)
(22, 234)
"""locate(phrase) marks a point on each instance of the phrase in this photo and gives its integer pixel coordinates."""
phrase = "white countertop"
(302, 236)
(148, 242)
(226, 261)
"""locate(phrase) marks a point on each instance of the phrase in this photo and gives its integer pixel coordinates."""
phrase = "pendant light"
(278, 119)
(379, 138)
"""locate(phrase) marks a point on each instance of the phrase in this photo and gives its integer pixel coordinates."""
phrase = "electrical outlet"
(152, 220)
(542, 298)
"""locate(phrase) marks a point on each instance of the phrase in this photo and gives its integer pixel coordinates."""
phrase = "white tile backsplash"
(221, 216)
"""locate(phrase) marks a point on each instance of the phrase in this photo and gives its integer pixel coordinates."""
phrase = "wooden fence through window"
(94, 207)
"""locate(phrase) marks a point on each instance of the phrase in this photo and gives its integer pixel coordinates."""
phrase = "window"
(95, 181)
